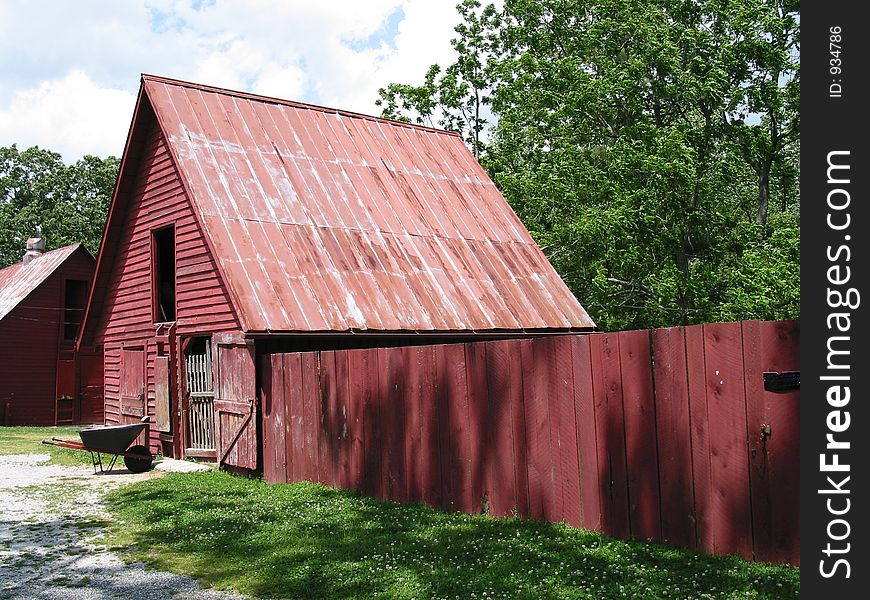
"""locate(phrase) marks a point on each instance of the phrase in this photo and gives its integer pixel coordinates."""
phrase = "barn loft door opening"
(200, 400)
(235, 401)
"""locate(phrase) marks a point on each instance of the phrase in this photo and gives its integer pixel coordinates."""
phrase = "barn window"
(74, 298)
(164, 274)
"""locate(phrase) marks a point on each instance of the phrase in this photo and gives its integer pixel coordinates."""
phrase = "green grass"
(305, 541)
(27, 440)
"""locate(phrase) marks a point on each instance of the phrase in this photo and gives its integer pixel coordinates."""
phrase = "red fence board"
(587, 444)
(653, 435)
(610, 434)
(773, 430)
(731, 517)
(519, 431)
(456, 451)
(640, 434)
(673, 436)
(274, 447)
(702, 482)
(391, 368)
(501, 477)
(563, 423)
(535, 390)
(310, 417)
(358, 400)
(292, 364)
(430, 455)
(479, 426)
(373, 428)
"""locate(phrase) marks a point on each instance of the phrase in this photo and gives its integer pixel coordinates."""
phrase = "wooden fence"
(667, 435)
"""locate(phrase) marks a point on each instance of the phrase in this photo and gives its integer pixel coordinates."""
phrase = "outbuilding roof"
(322, 220)
(19, 280)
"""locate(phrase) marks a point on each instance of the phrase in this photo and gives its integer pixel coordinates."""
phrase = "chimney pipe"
(34, 249)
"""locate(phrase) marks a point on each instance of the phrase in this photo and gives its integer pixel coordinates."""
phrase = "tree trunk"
(763, 194)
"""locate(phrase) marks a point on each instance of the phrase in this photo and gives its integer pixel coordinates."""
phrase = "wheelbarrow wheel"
(138, 464)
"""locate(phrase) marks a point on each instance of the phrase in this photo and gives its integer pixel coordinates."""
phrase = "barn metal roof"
(325, 220)
(18, 280)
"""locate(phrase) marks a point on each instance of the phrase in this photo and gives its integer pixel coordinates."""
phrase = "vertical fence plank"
(456, 451)
(395, 419)
(274, 420)
(563, 424)
(342, 408)
(329, 426)
(479, 426)
(755, 417)
(773, 346)
(640, 434)
(376, 442)
(610, 434)
(702, 476)
(519, 429)
(292, 367)
(501, 460)
(310, 416)
(674, 437)
(584, 417)
(413, 448)
(373, 426)
(535, 391)
(726, 403)
(359, 371)
(430, 457)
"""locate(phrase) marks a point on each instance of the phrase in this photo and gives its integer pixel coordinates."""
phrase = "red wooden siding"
(156, 199)
(31, 344)
(652, 435)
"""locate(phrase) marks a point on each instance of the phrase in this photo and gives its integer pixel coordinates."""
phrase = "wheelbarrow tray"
(114, 440)
(111, 439)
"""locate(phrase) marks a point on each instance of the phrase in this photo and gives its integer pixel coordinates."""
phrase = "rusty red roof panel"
(324, 220)
(18, 280)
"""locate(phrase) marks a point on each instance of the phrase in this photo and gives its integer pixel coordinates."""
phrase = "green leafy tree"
(456, 98)
(641, 143)
(69, 203)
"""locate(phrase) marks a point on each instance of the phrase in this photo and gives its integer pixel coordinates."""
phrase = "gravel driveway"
(52, 520)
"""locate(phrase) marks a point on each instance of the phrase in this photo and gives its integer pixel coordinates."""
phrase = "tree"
(456, 98)
(68, 202)
(631, 139)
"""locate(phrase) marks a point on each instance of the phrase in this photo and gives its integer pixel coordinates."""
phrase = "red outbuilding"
(42, 300)
(243, 225)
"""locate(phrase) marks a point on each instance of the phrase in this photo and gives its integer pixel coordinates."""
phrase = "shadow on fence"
(641, 434)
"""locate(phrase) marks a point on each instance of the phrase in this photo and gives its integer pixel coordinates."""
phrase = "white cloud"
(71, 115)
(84, 70)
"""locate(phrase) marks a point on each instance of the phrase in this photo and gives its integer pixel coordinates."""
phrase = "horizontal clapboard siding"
(157, 199)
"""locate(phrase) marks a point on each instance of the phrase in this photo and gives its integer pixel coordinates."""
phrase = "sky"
(69, 71)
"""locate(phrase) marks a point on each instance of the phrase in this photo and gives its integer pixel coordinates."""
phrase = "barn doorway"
(199, 373)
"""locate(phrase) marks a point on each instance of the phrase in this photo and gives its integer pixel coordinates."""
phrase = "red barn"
(243, 225)
(42, 302)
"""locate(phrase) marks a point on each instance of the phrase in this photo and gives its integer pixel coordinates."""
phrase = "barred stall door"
(200, 404)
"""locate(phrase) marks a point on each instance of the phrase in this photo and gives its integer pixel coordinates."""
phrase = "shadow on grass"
(304, 540)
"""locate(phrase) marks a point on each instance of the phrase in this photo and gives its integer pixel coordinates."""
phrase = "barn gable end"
(122, 311)
(32, 338)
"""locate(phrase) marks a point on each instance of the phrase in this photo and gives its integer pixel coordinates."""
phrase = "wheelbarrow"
(112, 440)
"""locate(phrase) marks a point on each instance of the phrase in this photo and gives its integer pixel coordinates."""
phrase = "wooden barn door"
(235, 401)
(132, 383)
(65, 409)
